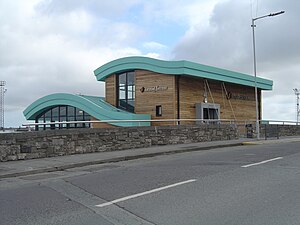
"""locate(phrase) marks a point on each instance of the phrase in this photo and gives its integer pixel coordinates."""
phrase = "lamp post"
(297, 93)
(2, 92)
(254, 63)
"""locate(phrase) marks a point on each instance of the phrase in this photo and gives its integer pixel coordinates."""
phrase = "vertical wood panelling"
(146, 102)
(110, 90)
(191, 91)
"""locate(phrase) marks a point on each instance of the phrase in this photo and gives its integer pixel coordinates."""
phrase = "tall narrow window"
(158, 110)
(126, 91)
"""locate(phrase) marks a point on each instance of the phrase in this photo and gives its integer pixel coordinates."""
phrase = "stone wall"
(273, 130)
(41, 144)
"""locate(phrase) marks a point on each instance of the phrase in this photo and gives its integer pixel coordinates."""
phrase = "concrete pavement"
(35, 166)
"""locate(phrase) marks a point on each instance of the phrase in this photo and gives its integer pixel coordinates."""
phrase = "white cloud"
(153, 55)
(56, 52)
(154, 45)
(189, 12)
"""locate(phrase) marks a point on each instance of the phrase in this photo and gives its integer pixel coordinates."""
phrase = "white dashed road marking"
(262, 162)
(145, 193)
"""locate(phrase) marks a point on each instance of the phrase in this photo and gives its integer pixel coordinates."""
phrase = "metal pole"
(2, 91)
(255, 80)
(254, 59)
(297, 93)
(298, 108)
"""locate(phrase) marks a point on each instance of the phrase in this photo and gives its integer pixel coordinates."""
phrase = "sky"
(50, 46)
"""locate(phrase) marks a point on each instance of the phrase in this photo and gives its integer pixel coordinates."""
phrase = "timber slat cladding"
(146, 99)
(110, 90)
(192, 90)
(154, 89)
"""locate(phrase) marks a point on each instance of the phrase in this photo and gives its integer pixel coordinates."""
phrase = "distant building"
(141, 88)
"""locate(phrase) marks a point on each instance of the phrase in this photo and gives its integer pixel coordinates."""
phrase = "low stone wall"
(273, 130)
(41, 144)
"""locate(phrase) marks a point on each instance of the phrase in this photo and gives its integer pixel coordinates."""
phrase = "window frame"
(128, 88)
(71, 113)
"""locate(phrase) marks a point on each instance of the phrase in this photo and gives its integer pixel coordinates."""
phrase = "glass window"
(48, 114)
(130, 103)
(63, 110)
(86, 116)
(122, 79)
(62, 118)
(79, 115)
(47, 120)
(130, 78)
(71, 118)
(158, 110)
(55, 111)
(55, 114)
(61, 114)
(71, 111)
(122, 92)
(130, 92)
(126, 91)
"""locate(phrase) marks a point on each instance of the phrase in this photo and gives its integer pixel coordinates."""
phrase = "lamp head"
(275, 14)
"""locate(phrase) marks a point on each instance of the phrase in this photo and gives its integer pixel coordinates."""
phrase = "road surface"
(254, 184)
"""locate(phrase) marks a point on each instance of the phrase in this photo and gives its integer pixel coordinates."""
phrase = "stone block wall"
(274, 130)
(41, 144)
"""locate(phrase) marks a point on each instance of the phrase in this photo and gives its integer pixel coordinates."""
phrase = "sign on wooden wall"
(154, 89)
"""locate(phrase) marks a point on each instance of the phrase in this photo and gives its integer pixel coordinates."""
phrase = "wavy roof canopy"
(95, 106)
(179, 68)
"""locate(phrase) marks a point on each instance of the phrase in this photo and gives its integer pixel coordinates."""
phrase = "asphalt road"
(254, 184)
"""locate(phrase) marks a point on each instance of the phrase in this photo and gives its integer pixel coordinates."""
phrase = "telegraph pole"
(2, 91)
(297, 93)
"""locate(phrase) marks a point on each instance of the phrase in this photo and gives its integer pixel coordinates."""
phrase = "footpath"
(34, 166)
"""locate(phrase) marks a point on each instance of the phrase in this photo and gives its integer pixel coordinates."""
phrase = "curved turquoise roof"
(95, 106)
(179, 68)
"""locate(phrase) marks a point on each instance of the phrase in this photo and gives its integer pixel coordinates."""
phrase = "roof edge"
(100, 109)
(181, 67)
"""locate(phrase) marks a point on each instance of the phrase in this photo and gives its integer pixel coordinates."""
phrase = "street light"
(254, 62)
(297, 93)
(2, 92)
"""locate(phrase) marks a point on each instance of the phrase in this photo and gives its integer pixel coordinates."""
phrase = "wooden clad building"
(143, 89)
(182, 90)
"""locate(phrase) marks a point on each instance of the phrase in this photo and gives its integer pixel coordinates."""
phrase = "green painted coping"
(95, 106)
(179, 68)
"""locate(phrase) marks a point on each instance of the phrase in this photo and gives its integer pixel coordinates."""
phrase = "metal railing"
(138, 122)
(246, 128)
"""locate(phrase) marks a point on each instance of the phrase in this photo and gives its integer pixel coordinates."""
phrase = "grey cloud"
(228, 40)
(227, 43)
(223, 42)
